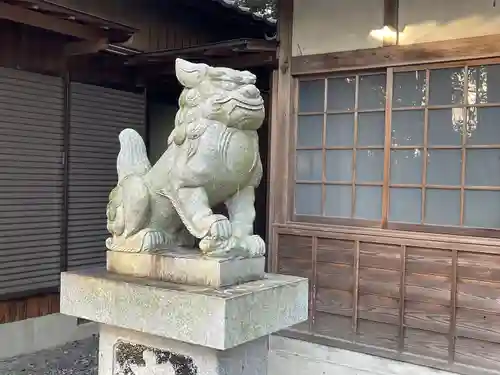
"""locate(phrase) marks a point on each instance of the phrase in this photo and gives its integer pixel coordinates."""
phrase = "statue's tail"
(132, 158)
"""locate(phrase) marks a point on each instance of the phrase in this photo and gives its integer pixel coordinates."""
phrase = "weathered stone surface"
(216, 318)
(212, 158)
(123, 351)
(187, 266)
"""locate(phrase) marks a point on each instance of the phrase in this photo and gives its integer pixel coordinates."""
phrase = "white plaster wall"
(31, 335)
(302, 358)
(322, 26)
(433, 20)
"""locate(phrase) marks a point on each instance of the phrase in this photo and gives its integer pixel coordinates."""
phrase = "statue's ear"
(228, 74)
(189, 74)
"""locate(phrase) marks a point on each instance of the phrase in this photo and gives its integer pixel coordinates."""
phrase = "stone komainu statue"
(212, 158)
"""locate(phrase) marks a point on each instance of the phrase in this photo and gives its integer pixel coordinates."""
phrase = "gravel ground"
(77, 358)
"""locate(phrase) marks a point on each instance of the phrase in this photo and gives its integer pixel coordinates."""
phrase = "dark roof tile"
(245, 10)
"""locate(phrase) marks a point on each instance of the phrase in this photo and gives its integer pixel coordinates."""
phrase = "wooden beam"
(272, 236)
(56, 7)
(251, 60)
(452, 334)
(391, 19)
(241, 45)
(257, 45)
(400, 55)
(248, 61)
(85, 47)
(280, 124)
(33, 18)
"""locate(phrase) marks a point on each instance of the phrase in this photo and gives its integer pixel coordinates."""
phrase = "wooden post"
(280, 123)
(391, 19)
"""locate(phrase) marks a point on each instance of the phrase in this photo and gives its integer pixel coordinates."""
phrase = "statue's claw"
(251, 246)
(221, 228)
(213, 246)
(254, 246)
(154, 240)
(218, 241)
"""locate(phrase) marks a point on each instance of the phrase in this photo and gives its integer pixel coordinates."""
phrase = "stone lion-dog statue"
(212, 158)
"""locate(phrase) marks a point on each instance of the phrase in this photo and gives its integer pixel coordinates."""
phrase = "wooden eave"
(206, 51)
(60, 19)
(238, 54)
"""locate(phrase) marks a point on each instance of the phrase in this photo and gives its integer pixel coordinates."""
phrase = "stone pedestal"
(186, 266)
(212, 321)
(122, 351)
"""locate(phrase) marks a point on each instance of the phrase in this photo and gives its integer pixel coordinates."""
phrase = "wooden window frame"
(384, 223)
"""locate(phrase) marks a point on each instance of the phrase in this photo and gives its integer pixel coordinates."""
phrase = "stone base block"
(123, 351)
(216, 318)
(186, 266)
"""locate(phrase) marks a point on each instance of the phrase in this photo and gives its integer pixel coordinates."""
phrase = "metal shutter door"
(31, 180)
(97, 116)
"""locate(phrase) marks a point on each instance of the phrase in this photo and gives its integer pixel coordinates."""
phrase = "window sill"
(485, 244)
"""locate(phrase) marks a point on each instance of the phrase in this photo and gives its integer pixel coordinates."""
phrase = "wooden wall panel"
(427, 316)
(378, 309)
(478, 353)
(334, 301)
(478, 324)
(479, 267)
(421, 342)
(377, 334)
(31, 307)
(297, 267)
(382, 256)
(31, 49)
(428, 261)
(427, 300)
(334, 279)
(478, 294)
(428, 288)
(293, 247)
(383, 283)
(335, 251)
(295, 256)
(36, 50)
(334, 276)
(160, 26)
(331, 325)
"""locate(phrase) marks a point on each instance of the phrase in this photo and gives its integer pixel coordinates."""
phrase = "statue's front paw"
(221, 228)
(215, 247)
(154, 240)
(254, 245)
(217, 241)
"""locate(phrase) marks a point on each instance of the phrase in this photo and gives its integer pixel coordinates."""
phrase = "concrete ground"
(286, 356)
(76, 358)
